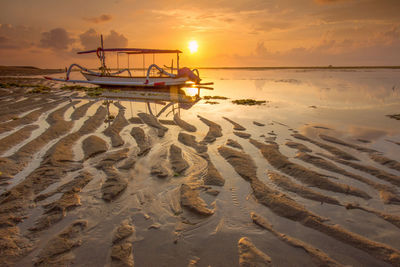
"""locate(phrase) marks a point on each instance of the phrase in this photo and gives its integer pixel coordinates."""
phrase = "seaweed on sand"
(74, 87)
(249, 102)
(91, 91)
(40, 89)
(208, 97)
(394, 116)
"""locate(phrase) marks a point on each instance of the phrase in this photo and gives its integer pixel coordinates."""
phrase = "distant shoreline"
(302, 67)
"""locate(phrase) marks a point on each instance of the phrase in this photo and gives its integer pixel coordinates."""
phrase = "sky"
(236, 33)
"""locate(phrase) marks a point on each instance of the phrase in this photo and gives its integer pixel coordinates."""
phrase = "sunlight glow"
(193, 46)
(191, 91)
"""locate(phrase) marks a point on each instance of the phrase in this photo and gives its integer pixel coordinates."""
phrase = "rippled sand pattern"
(178, 186)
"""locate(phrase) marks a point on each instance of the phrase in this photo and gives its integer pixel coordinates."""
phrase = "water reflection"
(157, 102)
(323, 88)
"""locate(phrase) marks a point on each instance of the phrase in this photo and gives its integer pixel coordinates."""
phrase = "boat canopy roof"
(132, 51)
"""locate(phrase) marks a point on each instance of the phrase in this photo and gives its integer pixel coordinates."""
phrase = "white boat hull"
(134, 81)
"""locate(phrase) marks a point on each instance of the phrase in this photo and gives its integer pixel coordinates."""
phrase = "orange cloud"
(329, 1)
(100, 19)
(57, 38)
(91, 39)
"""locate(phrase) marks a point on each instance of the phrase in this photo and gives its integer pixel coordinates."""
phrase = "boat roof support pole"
(118, 61)
(177, 63)
(103, 55)
(143, 67)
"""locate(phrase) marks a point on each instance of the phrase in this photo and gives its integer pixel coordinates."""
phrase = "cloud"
(390, 36)
(17, 37)
(100, 19)
(329, 1)
(5, 43)
(3, 39)
(333, 52)
(261, 50)
(269, 25)
(57, 38)
(91, 39)
(385, 10)
(115, 39)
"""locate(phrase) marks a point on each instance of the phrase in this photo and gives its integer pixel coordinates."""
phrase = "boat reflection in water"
(160, 103)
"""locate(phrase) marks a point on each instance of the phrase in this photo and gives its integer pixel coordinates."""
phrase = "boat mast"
(177, 62)
(103, 56)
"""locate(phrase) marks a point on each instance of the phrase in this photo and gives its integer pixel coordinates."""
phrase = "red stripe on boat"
(47, 78)
(159, 84)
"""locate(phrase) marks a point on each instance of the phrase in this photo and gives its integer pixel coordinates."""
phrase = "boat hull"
(125, 81)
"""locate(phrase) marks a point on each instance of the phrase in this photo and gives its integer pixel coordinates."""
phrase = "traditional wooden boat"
(155, 76)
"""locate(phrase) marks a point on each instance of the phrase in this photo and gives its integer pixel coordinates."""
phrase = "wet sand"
(101, 183)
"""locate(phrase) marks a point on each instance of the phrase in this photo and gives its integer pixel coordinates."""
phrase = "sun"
(193, 46)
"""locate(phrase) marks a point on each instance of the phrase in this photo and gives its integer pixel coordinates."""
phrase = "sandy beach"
(308, 176)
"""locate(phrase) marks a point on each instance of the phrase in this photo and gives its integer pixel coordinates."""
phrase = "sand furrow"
(258, 123)
(58, 251)
(190, 140)
(213, 176)
(340, 142)
(298, 146)
(242, 135)
(306, 176)
(387, 162)
(115, 182)
(324, 164)
(333, 150)
(233, 143)
(17, 137)
(28, 103)
(70, 199)
(115, 128)
(285, 183)
(62, 151)
(24, 109)
(29, 118)
(190, 199)
(121, 249)
(79, 112)
(393, 219)
(214, 131)
(183, 124)
(378, 173)
(142, 140)
(236, 126)
(178, 163)
(58, 127)
(152, 121)
(320, 258)
(92, 146)
(250, 255)
(286, 207)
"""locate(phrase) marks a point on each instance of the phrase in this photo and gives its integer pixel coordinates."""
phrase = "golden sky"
(48, 33)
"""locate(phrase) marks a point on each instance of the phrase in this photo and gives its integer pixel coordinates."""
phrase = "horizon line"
(307, 67)
(259, 67)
